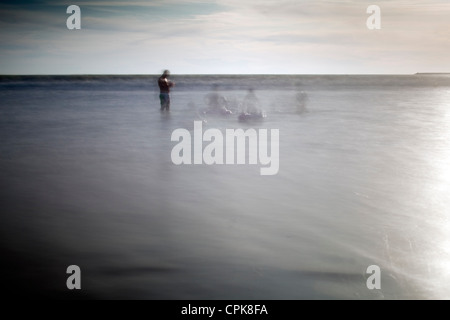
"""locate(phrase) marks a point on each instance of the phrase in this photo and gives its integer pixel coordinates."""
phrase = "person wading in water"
(164, 89)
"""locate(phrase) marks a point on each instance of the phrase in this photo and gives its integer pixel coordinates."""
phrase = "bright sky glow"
(233, 36)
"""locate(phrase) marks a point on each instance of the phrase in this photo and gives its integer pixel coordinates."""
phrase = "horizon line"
(228, 74)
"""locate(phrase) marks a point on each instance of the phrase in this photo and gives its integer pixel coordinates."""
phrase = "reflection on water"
(433, 257)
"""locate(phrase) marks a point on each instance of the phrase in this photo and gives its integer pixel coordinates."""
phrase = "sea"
(359, 208)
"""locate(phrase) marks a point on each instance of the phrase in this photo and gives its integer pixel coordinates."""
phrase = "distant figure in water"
(164, 90)
(251, 107)
(251, 103)
(216, 103)
(301, 99)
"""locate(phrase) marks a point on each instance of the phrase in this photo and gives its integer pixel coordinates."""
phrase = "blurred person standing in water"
(164, 89)
(216, 102)
(251, 104)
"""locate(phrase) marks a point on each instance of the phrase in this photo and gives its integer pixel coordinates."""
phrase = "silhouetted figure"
(251, 107)
(301, 100)
(251, 103)
(164, 90)
(216, 103)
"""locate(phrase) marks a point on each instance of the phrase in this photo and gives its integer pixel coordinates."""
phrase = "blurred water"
(87, 179)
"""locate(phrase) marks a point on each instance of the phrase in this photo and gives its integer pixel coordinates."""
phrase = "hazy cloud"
(236, 36)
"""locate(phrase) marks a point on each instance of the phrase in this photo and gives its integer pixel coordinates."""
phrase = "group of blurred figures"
(249, 108)
(217, 104)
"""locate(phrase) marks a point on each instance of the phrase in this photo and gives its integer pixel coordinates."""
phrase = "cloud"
(263, 35)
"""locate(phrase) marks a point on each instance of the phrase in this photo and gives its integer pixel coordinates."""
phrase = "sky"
(225, 37)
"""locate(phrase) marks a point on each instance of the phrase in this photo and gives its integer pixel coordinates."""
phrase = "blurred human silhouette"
(301, 100)
(251, 104)
(216, 103)
(251, 107)
(164, 89)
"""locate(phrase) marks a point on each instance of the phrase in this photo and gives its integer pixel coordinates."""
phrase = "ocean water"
(86, 178)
